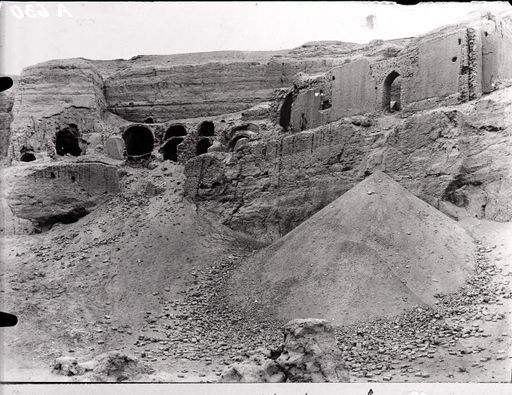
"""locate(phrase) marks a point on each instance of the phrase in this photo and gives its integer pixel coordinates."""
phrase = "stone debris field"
(336, 212)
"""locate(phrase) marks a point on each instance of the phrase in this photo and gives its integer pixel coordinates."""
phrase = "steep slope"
(375, 251)
(87, 286)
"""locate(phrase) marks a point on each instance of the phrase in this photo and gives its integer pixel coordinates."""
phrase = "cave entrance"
(175, 131)
(170, 149)
(27, 154)
(285, 113)
(392, 90)
(28, 157)
(207, 128)
(66, 141)
(139, 141)
(202, 146)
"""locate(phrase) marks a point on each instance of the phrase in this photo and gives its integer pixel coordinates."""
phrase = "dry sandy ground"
(86, 288)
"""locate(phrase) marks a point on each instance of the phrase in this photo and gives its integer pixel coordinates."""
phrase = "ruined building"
(268, 138)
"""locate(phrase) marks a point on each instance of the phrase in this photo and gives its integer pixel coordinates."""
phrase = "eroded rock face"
(458, 156)
(44, 194)
(258, 369)
(113, 366)
(310, 353)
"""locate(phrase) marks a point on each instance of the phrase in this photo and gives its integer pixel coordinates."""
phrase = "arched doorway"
(207, 128)
(66, 141)
(139, 141)
(202, 146)
(286, 111)
(170, 149)
(391, 94)
(175, 131)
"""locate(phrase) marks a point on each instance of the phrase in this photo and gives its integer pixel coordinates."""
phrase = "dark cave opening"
(27, 157)
(66, 141)
(139, 141)
(207, 128)
(170, 149)
(202, 146)
(175, 131)
(70, 217)
(285, 113)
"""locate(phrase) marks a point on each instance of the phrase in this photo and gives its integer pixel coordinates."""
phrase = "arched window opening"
(285, 113)
(149, 120)
(139, 141)
(207, 128)
(175, 131)
(202, 146)
(392, 91)
(170, 149)
(66, 141)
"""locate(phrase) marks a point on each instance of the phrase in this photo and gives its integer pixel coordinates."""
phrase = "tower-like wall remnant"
(444, 68)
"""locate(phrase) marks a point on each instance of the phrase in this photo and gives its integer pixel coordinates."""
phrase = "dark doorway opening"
(175, 131)
(207, 128)
(27, 154)
(27, 157)
(170, 149)
(149, 120)
(66, 141)
(286, 111)
(139, 141)
(392, 90)
(202, 146)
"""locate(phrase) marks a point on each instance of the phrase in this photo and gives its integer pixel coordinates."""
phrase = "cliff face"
(6, 103)
(54, 95)
(455, 158)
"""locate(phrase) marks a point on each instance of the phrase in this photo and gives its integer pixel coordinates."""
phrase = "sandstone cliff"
(454, 157)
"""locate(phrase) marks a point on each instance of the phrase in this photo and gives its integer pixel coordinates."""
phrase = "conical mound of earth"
(374, 252)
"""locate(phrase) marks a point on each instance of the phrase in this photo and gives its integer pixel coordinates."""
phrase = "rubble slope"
(376, 251)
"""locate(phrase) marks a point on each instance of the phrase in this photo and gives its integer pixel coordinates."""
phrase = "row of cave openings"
(139, 140)
(67, 142)
(390, 99)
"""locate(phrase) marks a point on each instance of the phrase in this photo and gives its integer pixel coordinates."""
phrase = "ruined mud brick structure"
(268, 138)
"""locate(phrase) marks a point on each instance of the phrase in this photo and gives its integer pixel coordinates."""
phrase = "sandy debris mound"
(376, 251)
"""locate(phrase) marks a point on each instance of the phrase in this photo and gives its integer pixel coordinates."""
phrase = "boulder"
(68, 366)
(115, 147)
(115, 366)
(258, 369)
(310, 353)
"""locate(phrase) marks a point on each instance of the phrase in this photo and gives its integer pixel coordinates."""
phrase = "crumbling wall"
(268, 187)
(353, 89)
(206, 89)
(51, 96)
(438, 68)
(497, 54)
(43, 194)
(6, 104)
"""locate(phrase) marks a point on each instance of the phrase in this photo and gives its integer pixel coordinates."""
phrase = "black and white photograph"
(255, 192)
